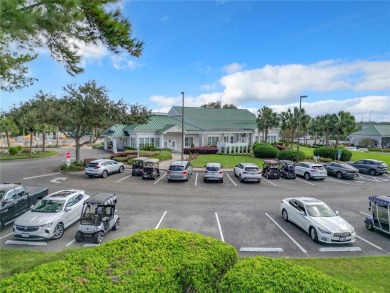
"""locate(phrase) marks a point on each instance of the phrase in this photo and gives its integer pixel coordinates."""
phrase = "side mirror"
(68, 209)
(302, 213)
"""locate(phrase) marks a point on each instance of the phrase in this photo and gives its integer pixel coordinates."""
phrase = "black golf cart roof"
(383, 200)
(105, 199)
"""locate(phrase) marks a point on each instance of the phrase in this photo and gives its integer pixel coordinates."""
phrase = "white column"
(161, 141)
(105, 143)
(114, 150)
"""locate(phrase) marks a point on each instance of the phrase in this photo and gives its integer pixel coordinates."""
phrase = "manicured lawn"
(369, 274)
(36, 154)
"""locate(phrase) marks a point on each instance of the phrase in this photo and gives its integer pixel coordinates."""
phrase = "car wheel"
(234, 171)
(143, 178)
(104, 174)
(372, 172)
(240, 178)
(221, 181)
(1, 225)
(313, 234)
(132, 173)
(58, 231)
(285, 215)
(307, 176)
(204, 179)
(116, 225)
(369, 225)
(98, 237)
(79, 236)
(121, 169)
(339, 175)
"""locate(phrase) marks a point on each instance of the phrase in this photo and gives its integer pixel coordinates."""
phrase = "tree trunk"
(78, 147)
(8, 140)
(43, 141)
(337, 140)
(266, 135)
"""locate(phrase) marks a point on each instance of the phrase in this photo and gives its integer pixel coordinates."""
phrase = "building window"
(143, 141)
(133, 142)
(212, 140)
(189, 141)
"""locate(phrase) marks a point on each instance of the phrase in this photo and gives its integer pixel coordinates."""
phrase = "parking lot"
(245, 215)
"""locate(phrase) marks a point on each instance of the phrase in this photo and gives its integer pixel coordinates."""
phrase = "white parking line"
(26, 178)
(6, 236)
(335, 180)
(364, 213)
(25, 243)
(196, 178)
(70, 242)
(288, 235)
(369, 242)
(231, 179)
(369, 178)
(304, 181)
(261, 249)
(269, 181)
(160, 178)
(219, 227)
(161, 220)
(123, 178)
(341, 249)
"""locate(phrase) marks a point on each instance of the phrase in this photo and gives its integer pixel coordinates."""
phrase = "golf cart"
(151, 168)
(379, 206)
(97, 217)
(138, 166)
(271, 169)
(287, 169)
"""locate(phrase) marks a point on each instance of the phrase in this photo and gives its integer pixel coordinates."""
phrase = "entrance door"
(173, 145)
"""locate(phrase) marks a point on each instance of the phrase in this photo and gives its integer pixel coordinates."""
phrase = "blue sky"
(248, 53)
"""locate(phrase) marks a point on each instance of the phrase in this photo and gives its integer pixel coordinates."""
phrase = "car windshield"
(318, 167)
(252, 169)
(92, 165)
(213, 168)
(49, 206)
(320, 210)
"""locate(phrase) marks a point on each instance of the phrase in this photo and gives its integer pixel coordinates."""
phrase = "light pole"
(182, 126)
(299, 123)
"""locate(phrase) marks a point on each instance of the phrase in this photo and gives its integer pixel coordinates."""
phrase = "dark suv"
(372, 167)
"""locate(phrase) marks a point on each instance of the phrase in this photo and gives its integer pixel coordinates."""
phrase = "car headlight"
(324, 231)
(48, 225)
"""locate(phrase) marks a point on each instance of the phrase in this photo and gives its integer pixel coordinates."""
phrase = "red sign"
(67, 155)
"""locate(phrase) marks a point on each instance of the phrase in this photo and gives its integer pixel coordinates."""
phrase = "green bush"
(25, 151)
(261, 274)
(162, 260)
(13, 150)
(331, 153)
(265, 151)
(149, 148)
(163, 156)
(291, 155)
(98, 146)
(72, 167)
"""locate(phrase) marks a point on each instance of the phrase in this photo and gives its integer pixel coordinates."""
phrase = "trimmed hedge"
(291, 155)
(261, 274)
(265, 151)
(331, 153)
(201, 150)
(162, 260)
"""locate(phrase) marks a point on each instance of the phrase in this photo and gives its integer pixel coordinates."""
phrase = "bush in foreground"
(261, 274)
(331, 153)
(291, 155)
(163, 260)
(265, 151)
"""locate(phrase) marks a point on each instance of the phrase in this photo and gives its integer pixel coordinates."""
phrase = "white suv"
(213, 171)
(311, 170)
(247, 172)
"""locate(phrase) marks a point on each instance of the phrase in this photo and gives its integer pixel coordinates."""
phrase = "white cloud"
(232, 68)
(120, 62)
(286, 82)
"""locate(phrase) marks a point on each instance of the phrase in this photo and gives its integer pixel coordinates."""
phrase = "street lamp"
(182, 126)
(299, 123)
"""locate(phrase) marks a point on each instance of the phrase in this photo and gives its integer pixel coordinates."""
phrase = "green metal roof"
(374, 130)
(115, 131)
(211, 119)
(160, 123)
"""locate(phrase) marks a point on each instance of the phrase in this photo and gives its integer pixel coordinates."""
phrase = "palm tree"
(305, 124)
(327, 123)
(266, 119)
(8, 125)
(290, 121)
(345, 124)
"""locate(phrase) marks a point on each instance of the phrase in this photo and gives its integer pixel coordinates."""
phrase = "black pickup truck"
(15, 199)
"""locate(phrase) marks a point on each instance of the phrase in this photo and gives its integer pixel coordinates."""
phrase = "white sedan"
(317, 219)
(51, 215)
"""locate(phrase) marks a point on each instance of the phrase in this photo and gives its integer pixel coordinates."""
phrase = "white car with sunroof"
(317, 219)
(49, 218)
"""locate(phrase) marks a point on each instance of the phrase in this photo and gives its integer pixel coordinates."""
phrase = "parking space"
(245, 215)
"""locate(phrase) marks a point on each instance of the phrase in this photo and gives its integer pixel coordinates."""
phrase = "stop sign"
(67, 155)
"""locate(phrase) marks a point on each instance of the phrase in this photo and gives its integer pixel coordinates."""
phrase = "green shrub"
(72, 167)
(98, 146)
(163, 156)
(124, 159)
(331, 153)
(265, 151)
(261, 274)
(25, 151)
(325, 160)
(149, 148)
(13, 150)
(291, 155)
(162, 260)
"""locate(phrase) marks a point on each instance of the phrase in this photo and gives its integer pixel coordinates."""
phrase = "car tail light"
(169, 172)
(184, 172)
(260, 172)
(97, 167)
(205, 171)
(313, 170)
(245, 172)
(220, 172)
